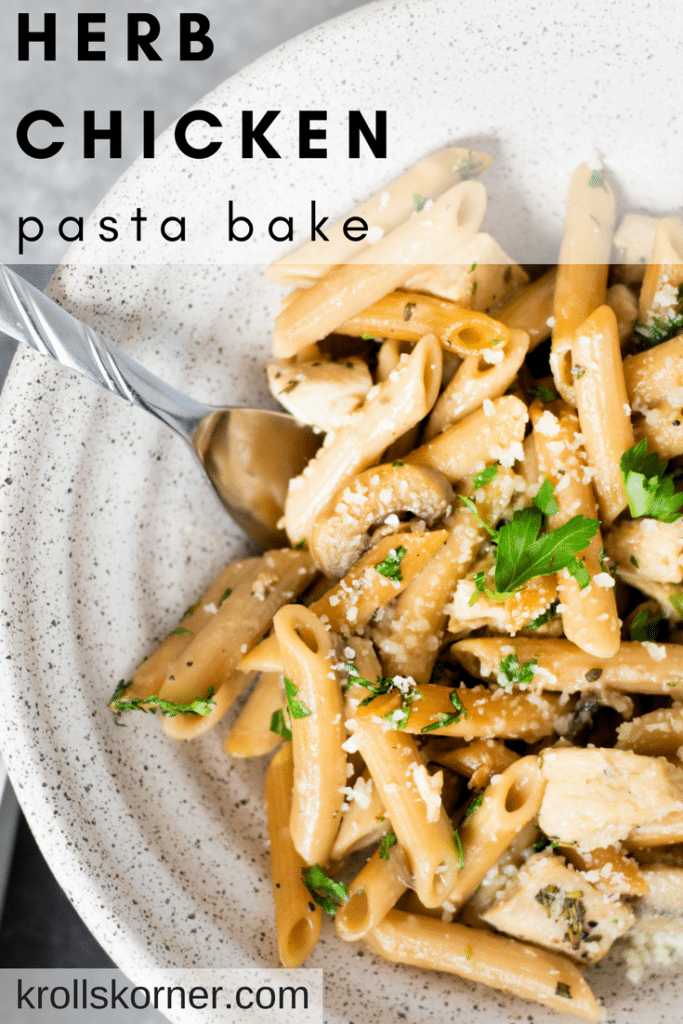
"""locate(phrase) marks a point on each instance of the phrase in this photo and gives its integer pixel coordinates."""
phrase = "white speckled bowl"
(109, 532)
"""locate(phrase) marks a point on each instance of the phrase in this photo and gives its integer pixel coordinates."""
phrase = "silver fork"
(248, 455)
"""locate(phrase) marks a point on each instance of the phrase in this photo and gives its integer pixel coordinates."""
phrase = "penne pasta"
(473, 953)
(316, 710)
(297, 919)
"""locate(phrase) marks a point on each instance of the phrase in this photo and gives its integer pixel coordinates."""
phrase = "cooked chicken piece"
(550, 903)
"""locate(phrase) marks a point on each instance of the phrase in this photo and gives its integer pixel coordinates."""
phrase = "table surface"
(39, 926)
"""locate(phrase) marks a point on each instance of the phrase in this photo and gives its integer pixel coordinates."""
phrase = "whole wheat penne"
(150, 676)
(297, 918)
(589, 616)
(604, 411)
(487, 435)
(241, 620)
(409, 640)
(251, 735)
(427, 179)
(372, 894)
(316, 711)
(508, 804)
(531, 308)
(395, 406)
(487, 713)
(560, 665)
(581, 284)
(664, 273)
(421, 825)
(408, 316)
(473, 953)
(480, 377)
(363, 279)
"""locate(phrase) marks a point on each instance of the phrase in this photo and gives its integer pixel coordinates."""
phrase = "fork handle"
(30, 317)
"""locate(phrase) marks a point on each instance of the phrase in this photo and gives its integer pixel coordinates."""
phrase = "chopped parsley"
(225, 596)
(382, 684)
(473, 806)
(458, 844)
(486, 476)
(368, 337)
(649, 336)
(676, 602)
(181, 631)
(299, 544)
(191, 610)
(597, 179)
(473, 267)
(419, 202)
(545, 394)
(544, 617)
(390, 567)
(602, 557)
(385, 845)
(649, 487)
(443, 718)
(512, 672)
(408, 310)
(577, 372)
(399, 717)
(545, 501)
(468, 167)
(469, 952)
(397, 464)
(543, 842)
(634, 561)
(327, 893)
(474, 287)
(279, 726)
(521, 555)
(296, 708)
(645, 628)
(289, 387)
(563, 988)
(170, 708)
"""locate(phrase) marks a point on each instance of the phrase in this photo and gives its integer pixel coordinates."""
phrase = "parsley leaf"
(419, 202)
(511, 672)
(486, 476)
(521, 555)
(545, 501)
(597, 179)
(170, 708)
(225, 596)
(544, 617)
(299, 544)
(643, 627)
(649, 336)
(649, 487)
(458, 843)
(391, 565)
(443, 718)
(473, 806)
(181, 631)
(545, 394)
(543, 842)
(385, 845)
(411, 693)
(296, 708)
(327, 893)
(279, 726)
(408, 310)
